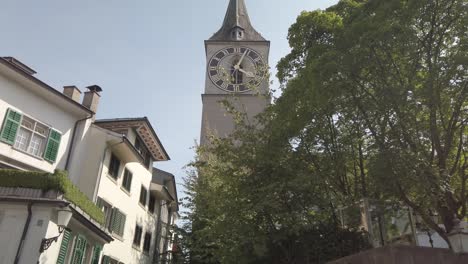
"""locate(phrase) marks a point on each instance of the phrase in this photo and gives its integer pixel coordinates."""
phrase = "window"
(106, 209)
(127, 180)
(143, 194)
(151, 204)
(143, 152)
(114, 167)
(115, 219)
(118, 222)
(137, 236)
(30, 136)
(79, 251)
(96, 254)
(147, 243)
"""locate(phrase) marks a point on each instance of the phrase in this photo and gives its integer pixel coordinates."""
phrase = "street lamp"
(63, 218)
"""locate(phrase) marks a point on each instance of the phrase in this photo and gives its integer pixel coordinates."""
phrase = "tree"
(258, 202)
(390, 76)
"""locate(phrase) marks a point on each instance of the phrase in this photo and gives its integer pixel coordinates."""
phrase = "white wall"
(13, 95)
(11, 229)
(94, 148)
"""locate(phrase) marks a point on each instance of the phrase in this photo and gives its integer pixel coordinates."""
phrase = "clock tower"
(237, 67)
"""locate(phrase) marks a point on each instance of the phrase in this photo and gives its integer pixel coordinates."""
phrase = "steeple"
(236, 25)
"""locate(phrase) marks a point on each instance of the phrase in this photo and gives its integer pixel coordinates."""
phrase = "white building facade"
(110, 168)
(38, 124)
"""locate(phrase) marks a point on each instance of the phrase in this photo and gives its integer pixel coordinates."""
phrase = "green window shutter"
(53, 145)
(64, 247)
(11, 125)
(122, 224)
(96, 254)
(115, 220)
(79, 251)
(118, 222)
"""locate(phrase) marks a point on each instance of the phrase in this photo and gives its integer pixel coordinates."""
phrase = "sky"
(147, 55)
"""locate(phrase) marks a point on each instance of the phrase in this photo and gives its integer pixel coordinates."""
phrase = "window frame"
(147, 242)
(113, 167)
(127, 180)
(32, 132)
(137, 236)
(152, 203)
(144, 191)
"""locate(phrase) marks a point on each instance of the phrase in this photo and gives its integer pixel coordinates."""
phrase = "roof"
(168, 180)
(27, 72)
(237, 17)
(143, 128)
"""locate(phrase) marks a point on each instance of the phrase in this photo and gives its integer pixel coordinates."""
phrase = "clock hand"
(248, 74)
(237, 66)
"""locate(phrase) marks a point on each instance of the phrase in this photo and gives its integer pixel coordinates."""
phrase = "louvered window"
(96, 254)
(79, 251)
(118, 222)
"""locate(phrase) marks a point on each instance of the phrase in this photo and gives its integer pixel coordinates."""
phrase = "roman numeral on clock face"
(224, 85)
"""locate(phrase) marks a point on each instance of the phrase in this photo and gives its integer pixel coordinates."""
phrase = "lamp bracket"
(47, 242)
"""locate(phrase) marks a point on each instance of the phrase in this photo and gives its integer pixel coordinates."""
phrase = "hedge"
(58, 181)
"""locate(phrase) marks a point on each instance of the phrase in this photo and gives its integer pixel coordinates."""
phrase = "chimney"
(19, 65)
(91, 97)
(72, 92)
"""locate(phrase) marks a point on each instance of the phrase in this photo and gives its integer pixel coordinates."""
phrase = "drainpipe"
(158, 232)
(104, 155)
(23, 236)
(67, 163)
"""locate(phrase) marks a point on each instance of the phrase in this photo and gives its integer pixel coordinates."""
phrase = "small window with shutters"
(28, 135)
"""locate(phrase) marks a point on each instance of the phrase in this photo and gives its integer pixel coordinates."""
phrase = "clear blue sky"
(147, 55)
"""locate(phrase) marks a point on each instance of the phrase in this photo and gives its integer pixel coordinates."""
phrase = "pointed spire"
(236, 25)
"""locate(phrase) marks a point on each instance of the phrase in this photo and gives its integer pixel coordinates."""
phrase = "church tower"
(237, 67)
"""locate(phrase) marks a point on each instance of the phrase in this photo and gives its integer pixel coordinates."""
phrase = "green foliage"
(380, 88)
(46, 181)
(374, 105)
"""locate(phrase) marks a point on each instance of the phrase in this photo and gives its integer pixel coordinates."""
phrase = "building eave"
(144, 129)
(41, 85)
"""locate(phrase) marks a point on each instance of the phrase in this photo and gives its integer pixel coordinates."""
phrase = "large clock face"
(236, 69)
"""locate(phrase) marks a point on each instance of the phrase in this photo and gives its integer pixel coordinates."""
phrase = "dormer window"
(237, 33)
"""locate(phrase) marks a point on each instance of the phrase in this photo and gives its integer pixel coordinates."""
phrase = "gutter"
(25, 231)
